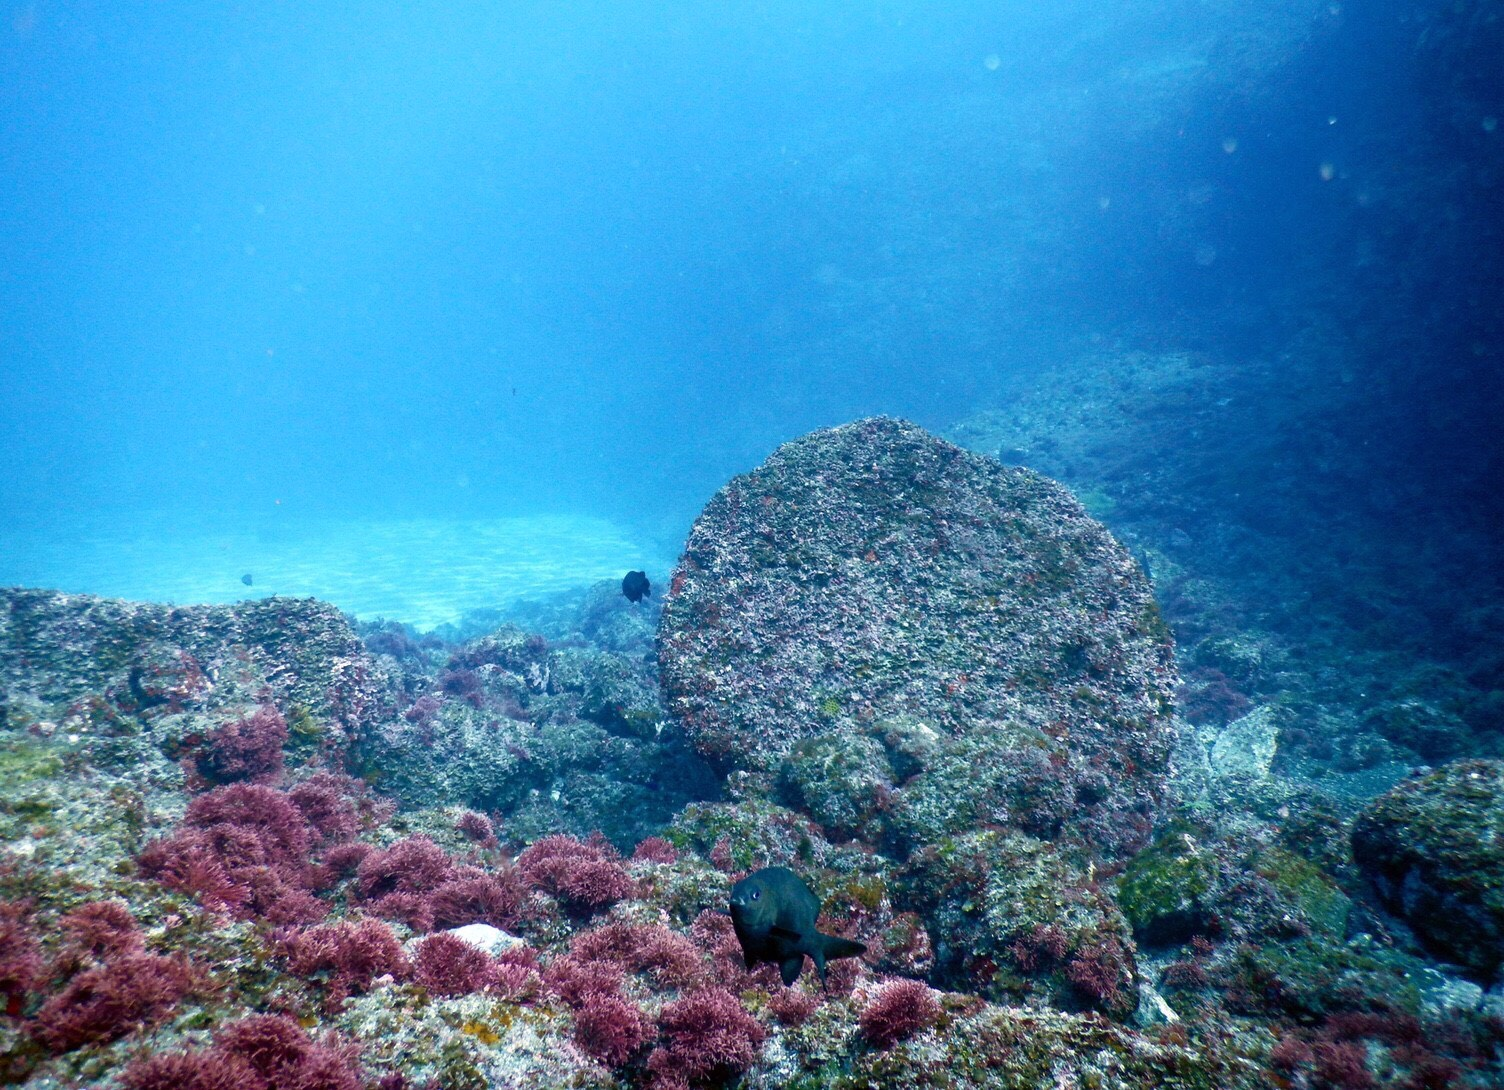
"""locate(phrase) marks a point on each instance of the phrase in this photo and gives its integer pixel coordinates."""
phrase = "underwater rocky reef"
(263, 846)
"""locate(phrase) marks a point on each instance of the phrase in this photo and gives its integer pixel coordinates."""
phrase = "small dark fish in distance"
(246, 578)
(635, 586)
(773, 913)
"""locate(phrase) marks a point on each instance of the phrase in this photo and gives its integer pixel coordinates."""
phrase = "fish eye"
(756, 894)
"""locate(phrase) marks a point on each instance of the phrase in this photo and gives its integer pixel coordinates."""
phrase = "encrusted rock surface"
(873, 580)
(101, 659)
(1434, 849)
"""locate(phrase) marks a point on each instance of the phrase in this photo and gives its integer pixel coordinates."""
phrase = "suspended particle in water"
(1229, 144)
(992, 62)
(1490, 123)
(1328, 172)
(1206, 253)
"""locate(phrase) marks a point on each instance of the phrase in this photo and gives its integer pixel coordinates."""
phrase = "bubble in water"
(1328, 172)
(1229, 144)
(992, 62)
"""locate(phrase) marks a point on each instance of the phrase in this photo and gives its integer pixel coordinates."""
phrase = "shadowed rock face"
(905, 638)
(1433, 847)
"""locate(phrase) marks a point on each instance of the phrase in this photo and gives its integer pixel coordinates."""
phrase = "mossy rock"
(1433, 847)
(1166, 889)
(991, 894)
(1322, 906)
(1314, 977)
(1000, 1048)
(746, 835)
(843, 781)
(617, 695)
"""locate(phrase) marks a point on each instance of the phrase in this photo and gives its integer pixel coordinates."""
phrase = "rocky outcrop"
(73, 657)
(912, 639)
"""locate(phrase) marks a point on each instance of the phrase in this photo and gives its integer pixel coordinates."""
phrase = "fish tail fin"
(836, 947)
(827, 947)
(833, 947)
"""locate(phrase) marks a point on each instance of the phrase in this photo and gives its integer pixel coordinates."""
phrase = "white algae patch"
(493, 940)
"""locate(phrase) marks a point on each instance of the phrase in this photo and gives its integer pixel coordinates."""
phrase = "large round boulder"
(1433, 847)
(958, 639)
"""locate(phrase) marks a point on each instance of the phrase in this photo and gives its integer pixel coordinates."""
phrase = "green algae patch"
(1014, 1049)
(744, 835)
(1433, 848)
(29, 769)
(468, 1043)
(1164, 890)
(25, 761)
(302, 724)
(840, 780)
(1316, 897)
(1311, 978)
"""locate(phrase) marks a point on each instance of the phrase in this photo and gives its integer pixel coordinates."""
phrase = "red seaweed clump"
(900, 1009)
(246, 749)
(327, 802)
(611, 1027)
(792, 1006)
(104, 983)
(416, 882)
(21, 961)
(584, 875)
(654, 849)
(1100, 972)
(476, 827)
(95, 931)
(204, 1069)
(243, 848)
(670, 959)
(416, 865)
(608, 1025)
(706, 1034)
(1457, 1049)
(464, 684)
(712, 932)
(262, 1052)
(472, 896)
(572, 978)
(517, 975)
(347, 957)
(124, 994)
(447, 965)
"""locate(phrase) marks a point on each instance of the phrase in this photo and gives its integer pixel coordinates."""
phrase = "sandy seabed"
(426, 572)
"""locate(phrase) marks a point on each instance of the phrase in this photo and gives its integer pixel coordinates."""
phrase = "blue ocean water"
(420, 306)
